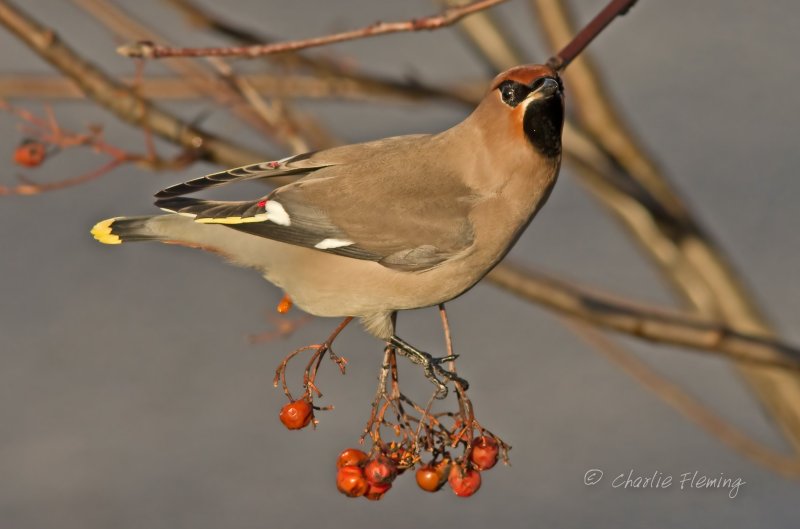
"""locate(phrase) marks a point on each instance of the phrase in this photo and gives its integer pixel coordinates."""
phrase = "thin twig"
(380, 392)
(465, 408)
(117, 97)
(326, 69)
(32, 188)
(46, 132)
(151, 50)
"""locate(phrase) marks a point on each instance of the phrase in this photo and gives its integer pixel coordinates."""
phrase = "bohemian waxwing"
(372, 228)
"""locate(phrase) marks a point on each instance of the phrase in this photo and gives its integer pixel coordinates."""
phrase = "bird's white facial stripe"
(276, 213)
(327, 244)
(529, 99)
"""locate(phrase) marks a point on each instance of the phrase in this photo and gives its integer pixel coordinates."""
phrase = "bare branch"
(653, 324)
(329, 69)
(151, 50)
(218, 88)
(287, 85)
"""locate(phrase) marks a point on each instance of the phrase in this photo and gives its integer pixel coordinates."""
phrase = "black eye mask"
(513, 93)
(544, 118)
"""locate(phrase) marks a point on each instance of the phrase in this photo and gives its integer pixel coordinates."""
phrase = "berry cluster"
(359, 475)
(459, 447)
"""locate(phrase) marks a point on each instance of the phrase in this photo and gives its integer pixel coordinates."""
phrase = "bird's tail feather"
(236, 246)
(124, 229)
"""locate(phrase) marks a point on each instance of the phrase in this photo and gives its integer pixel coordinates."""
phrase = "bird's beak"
(548, 87)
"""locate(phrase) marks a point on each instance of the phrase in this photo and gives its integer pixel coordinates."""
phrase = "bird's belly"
(330, 285)
(326, 284)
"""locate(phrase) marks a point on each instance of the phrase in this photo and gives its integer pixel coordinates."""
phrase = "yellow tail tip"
(102, 232)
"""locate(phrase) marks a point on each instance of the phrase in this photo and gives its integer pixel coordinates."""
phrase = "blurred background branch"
(685, 252)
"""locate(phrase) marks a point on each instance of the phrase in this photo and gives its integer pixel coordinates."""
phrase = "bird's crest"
(524, 74)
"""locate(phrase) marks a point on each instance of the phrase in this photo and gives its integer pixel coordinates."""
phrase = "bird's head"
(531, 100)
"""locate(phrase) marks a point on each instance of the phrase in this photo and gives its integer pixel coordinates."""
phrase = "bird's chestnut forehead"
(524, 74)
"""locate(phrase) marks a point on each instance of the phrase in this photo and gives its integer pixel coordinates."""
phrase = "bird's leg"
(432, 366)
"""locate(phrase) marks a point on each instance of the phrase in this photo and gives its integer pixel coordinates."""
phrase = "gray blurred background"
(130, 398)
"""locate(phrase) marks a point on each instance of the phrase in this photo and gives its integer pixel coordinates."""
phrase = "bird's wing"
(271, 219)
(406, 216)
(299, 165)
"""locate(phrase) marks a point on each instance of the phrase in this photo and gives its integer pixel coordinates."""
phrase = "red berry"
(351, 457)
(375, 491)
(464, 482)
(30, 153)
(351, 482)
(381, 470)
(429, 479)
(296, 415)
(484, 452)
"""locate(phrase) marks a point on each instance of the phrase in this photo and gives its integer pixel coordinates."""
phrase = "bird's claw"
(432, 367)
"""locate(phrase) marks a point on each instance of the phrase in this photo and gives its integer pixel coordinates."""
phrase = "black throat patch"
(542, 124)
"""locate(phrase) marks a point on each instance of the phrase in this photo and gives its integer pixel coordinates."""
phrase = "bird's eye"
(513, 92)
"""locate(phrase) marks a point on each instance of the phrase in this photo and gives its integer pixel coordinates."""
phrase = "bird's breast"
(499, 220)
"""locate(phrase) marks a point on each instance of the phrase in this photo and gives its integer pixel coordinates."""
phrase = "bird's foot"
(432, 366)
